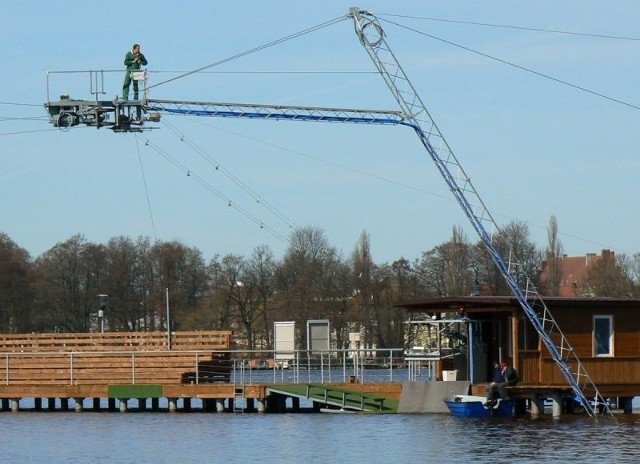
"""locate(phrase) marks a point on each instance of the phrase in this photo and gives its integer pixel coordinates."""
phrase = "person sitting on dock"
(492, 389)
(505, 376)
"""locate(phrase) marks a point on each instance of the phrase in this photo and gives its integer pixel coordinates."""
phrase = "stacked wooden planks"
(106, 359)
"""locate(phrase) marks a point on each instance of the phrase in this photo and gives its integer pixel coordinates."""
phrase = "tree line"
(58, 290)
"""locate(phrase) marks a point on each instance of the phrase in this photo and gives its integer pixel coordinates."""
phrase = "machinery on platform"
(134, 116)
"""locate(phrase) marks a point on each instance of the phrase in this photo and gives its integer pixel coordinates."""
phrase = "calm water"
(161, 437)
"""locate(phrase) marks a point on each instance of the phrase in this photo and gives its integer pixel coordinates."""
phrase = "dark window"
(603, 335)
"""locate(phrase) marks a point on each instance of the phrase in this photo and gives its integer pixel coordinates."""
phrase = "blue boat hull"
(462, 406)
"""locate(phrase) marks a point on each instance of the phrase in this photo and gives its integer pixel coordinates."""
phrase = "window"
(602, 335)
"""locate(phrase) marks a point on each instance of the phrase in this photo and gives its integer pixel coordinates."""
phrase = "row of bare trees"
(58, 291)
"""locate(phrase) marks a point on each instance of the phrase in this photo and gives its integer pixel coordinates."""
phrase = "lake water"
(162, 437)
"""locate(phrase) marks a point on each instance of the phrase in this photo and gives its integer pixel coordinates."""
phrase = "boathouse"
(603, 332)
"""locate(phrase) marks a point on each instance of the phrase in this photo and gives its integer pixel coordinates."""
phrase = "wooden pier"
(135, 370)
(147, 371)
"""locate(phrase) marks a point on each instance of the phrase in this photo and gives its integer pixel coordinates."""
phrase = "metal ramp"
(372, 38)
(336, 397)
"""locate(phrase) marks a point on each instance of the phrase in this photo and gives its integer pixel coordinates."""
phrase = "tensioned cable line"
(31, 118)
(28, 131)
(235, 179)
(386, 179)
(20, 104)
(517, 66)
(214, 191)
(146, 190)
(522, 28)
(254, 50)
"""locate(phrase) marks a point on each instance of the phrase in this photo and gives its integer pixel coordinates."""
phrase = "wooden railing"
(106, 358)
(105, 368)
(115, 341)
(603, 371)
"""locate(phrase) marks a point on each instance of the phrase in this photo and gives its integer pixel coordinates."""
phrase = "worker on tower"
(132, 60)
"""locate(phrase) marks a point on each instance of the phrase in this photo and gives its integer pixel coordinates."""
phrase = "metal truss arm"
(372, 38)
(277, 112)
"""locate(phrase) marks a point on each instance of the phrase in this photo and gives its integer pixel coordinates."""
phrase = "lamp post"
(102, 303)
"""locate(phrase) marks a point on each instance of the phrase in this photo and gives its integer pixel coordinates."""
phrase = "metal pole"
(470, 351)
(168, 322)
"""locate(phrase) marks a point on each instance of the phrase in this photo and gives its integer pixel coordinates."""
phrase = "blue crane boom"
(131, 116)
(292, 113)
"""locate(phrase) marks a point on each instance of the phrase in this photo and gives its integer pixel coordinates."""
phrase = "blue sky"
(534, 147)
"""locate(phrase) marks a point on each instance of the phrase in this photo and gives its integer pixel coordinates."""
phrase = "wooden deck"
(118, 367)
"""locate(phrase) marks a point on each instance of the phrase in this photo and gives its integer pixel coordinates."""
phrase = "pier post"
(219, 405)
(37, 404)
(251, 405)
(155, 404)
(123, 404)
(537, 406)
(79, 405)
(4, 404)
(111, 404)
(173, 404)
(142, 404)
(261, 405)
(51, 404)
(207, 405)
(64, 404)
(626, 404)
(15, 405)
(186, 404)
(95, 404)
(295, 404)
(556, 399)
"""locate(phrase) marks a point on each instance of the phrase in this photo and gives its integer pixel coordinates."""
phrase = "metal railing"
(207, 366)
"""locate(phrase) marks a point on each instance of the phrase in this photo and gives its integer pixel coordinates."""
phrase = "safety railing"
(202, 367)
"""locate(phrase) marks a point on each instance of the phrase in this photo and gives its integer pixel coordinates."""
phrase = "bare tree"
(306, 277)
(124, 285)
(261, 270)
(228, 274)
(363, 274)
(16, 288)
(551, 279)
(69, 280)
(610, 276)
(519, 253)
(446, 270)
(182, 270)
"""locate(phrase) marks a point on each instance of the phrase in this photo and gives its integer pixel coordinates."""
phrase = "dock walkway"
(138, 369)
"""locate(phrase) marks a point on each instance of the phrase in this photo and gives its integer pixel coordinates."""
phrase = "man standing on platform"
(132, 60)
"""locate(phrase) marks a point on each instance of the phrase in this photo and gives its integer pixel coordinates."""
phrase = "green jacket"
(132, 65)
